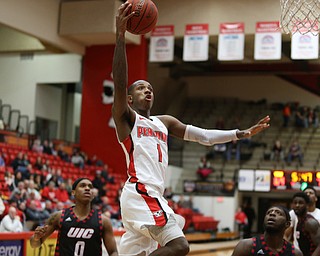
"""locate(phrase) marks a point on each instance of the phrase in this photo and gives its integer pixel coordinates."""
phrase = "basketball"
(145, 17)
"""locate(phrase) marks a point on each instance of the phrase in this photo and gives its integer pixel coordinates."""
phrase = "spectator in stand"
(233, 150)
(46, 147)
(57, 177)
(251, 216)
(19, 193)
(77, 159)
(218, 149)
(17, 178)
(315, 118)
(96, 202)
(2, 206)
(49, 192)
(204, 169)
(242, 221)
(69, 187)
(62, 194)
(20, 163)
(286, 113)
(38, 182)
(32, 197)
(33, 213)
(9, 179)
(99, 183)
(168, 194)
(185, 203)
(299, 118)
(36, 146)
(63, 155)
(49, 207)
(38, 165)
(32, 189)
(295, 152)
(11, 222)
(277, 153)
(47, 165)
(106, 174)
(2, 162)
(60, 206)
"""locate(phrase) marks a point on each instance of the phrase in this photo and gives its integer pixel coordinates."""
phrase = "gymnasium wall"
(96, 136)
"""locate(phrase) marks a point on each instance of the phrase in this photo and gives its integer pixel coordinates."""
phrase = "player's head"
(277, 219)
(312, 194)
(140, 95)
(82, 189)
(300, 203)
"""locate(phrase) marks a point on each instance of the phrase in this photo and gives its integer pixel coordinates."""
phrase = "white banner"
(196, 42)
(262, 180)
(231, 41)
(162, 44)
(267, 43)
(304, 47)
(246, 180)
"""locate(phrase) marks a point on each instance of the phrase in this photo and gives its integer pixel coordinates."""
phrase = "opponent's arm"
(43, 232)
(121, 112)
(210, 137)
(108, 237)
(312, 226)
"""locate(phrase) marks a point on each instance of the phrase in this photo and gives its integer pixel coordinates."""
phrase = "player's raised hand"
(40, 232)
(253, 130)
(123, 16)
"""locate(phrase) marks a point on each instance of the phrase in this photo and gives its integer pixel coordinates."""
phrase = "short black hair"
(77, 181)
(303, 195)
(310, 187)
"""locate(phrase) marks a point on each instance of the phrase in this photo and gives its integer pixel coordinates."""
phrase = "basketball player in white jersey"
(291, 233)
(147, 218)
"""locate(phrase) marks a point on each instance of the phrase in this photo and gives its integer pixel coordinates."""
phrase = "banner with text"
(162, 44)
(231, 41)
(304, 45)
(196, 42)
(267, 43)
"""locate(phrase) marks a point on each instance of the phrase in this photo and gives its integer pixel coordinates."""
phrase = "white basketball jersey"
(146, 150)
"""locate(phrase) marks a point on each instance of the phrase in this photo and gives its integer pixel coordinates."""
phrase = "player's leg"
(170, 238)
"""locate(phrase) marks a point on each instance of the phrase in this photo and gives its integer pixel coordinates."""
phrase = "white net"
(301, 16)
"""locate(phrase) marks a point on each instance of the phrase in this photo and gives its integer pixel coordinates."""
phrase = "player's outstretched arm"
(108, 237)
(209, 137)
(43, 232)
(253, 130)
(120, 109)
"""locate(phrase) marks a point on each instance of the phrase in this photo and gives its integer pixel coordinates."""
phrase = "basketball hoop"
(301, 16)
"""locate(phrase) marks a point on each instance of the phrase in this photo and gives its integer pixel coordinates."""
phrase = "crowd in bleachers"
(38, 181)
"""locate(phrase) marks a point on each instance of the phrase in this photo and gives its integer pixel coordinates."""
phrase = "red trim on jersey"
(154, 205)
(128, 144)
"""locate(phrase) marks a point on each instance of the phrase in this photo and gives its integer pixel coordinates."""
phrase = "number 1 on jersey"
(159, 153)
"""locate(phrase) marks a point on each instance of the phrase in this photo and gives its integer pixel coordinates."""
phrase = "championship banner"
(196, 42)
(267, 41)
(162, 44)
(231, 41)
(304, 46)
